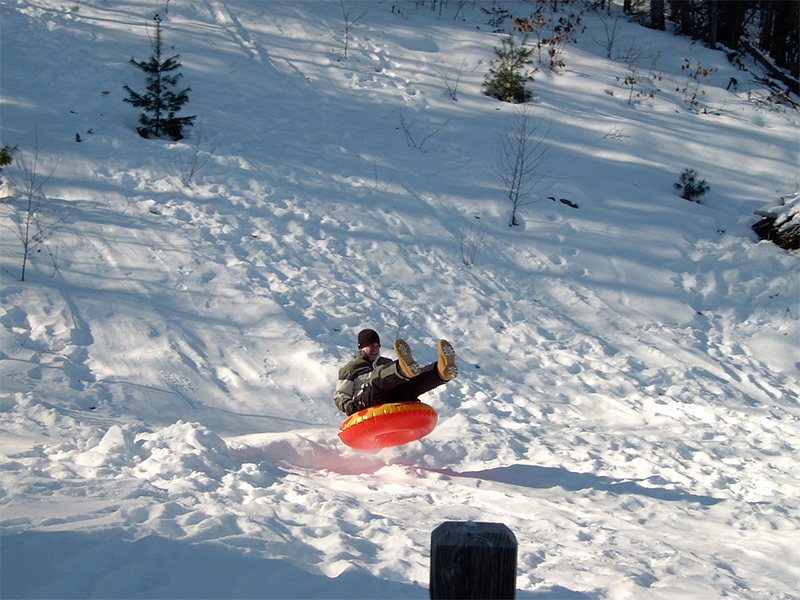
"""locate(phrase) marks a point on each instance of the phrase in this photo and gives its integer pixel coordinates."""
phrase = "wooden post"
(473, 560)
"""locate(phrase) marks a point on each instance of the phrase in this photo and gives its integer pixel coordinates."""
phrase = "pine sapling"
(6, 156)
(509, 72)
(692, 189)
(160, 103)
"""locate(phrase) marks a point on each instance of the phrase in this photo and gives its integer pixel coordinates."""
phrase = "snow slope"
(628, 398)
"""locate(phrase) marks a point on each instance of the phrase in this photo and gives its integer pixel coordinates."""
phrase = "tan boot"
(406, 364)
(446, 365)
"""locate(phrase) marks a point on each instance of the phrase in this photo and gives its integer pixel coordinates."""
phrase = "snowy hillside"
(629, 398)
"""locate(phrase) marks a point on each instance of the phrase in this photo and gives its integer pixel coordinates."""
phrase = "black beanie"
(367, 337)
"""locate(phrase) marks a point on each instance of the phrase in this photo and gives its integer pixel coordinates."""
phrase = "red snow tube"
(388, 425)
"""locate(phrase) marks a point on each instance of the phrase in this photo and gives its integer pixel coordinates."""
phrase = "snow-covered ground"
(628, 398)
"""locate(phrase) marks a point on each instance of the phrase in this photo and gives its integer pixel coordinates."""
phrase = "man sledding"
(381, 396)
(371, 379)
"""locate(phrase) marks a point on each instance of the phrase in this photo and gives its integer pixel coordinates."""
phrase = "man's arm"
(343, 393)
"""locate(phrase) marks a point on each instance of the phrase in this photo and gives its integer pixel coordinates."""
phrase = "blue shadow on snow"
(536, 477)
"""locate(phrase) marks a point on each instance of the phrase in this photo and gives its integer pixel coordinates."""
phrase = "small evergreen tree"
(691, 188)
(160, 102)
(510, 72)
(6, 156)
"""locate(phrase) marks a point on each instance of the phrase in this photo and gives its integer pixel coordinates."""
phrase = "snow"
(628, 402)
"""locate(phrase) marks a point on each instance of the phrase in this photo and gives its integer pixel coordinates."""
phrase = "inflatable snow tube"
(388, 425)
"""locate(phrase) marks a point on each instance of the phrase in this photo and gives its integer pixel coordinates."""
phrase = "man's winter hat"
(367, 337)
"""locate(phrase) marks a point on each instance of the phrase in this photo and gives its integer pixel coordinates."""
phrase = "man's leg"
(381, 382)
(410, 390)
(430, 377)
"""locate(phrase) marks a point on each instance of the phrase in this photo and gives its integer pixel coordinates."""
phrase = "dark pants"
(387, 385)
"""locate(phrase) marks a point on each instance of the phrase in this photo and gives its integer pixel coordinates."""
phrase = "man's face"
(372, 351)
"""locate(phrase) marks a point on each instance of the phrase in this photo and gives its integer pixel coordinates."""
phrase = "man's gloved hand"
(350, 407)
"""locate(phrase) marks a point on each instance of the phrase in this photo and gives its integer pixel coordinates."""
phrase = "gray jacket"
(354, 376)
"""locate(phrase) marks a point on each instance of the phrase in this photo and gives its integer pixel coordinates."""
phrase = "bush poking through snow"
(160, 101)
(691, 188)
(471, 244)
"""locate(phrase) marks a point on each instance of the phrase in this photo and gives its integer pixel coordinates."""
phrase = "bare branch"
(522, 159)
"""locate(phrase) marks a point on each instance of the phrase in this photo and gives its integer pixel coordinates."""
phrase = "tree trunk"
(657, 15)
(713, 22)
(682, 14)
